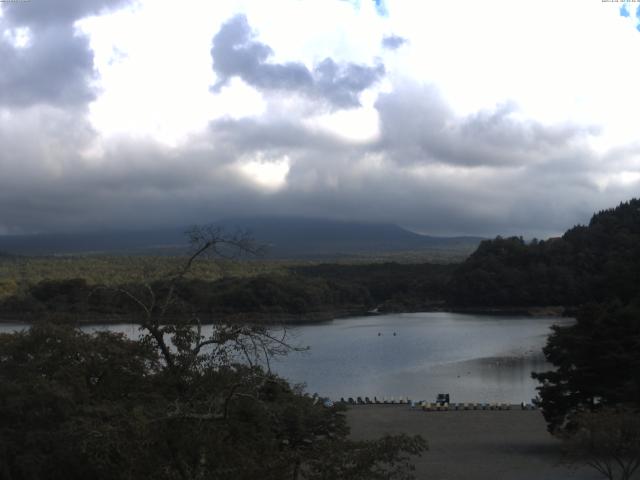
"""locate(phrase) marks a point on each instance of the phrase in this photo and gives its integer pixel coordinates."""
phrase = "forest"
(596, 262)
(76, 405)
(175, 404)
(261, 291)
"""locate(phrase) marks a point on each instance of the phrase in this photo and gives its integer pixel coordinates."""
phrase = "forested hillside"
(596, 262)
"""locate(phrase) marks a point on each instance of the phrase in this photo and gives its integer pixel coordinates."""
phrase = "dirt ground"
(476, 445)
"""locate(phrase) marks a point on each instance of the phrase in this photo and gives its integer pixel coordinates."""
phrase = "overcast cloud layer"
(122, 115)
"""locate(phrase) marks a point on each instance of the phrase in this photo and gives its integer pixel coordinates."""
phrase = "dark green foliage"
(62, 295)
(391, 286)
(598, 262)
(607, 440)
(303, 290)
(509, 272)
(67, 401)
(78, 406)
(283, 294)
(597, 364)
(594, 263)
(176, 404)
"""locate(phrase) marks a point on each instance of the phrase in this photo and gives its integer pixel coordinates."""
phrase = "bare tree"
(180, 338)
(184, 409)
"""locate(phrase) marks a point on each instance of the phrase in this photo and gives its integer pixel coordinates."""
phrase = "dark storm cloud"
(236, 53)
(280, 136)
(56, 66)
(38, 13)
(486, 173)
(48, 186)
(393, 42)
(419, 127)
(491, 172)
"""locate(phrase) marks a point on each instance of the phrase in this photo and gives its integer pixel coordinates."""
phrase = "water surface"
(474, 358)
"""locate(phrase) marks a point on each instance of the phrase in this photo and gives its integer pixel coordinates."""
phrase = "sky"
(478, 117)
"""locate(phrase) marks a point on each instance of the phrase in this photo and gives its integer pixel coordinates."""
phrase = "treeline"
(597, 360)
(391, 286)
(593, 263)
(591, 398)
(301, 290)
(18, 273)
(264, 294)
(177, 403)
(597, 262)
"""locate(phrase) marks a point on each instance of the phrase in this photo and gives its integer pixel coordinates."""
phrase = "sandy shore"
(472, 445)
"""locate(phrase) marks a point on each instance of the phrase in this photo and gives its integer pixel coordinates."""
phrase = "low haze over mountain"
(284, 237)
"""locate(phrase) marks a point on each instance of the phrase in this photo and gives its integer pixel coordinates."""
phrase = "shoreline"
(264, 318)
(244, 317)
(530, 311)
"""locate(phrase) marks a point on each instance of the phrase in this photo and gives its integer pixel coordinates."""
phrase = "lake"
(474, 358)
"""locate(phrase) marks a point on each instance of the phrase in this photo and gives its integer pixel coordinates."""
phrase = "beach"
(476, 444)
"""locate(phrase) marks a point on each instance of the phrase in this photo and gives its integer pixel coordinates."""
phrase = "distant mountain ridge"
(285, 237)
(94, 242)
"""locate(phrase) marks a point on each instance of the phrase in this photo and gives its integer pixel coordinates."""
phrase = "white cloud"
(558, 61)
(268, 173)
(19, 37)
(492, 116)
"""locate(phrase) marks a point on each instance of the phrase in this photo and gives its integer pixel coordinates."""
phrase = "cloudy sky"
(448, 117)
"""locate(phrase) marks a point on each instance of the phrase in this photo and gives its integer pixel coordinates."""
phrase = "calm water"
(475, 358)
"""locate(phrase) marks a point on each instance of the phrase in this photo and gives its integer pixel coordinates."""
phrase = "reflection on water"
(475, 358)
